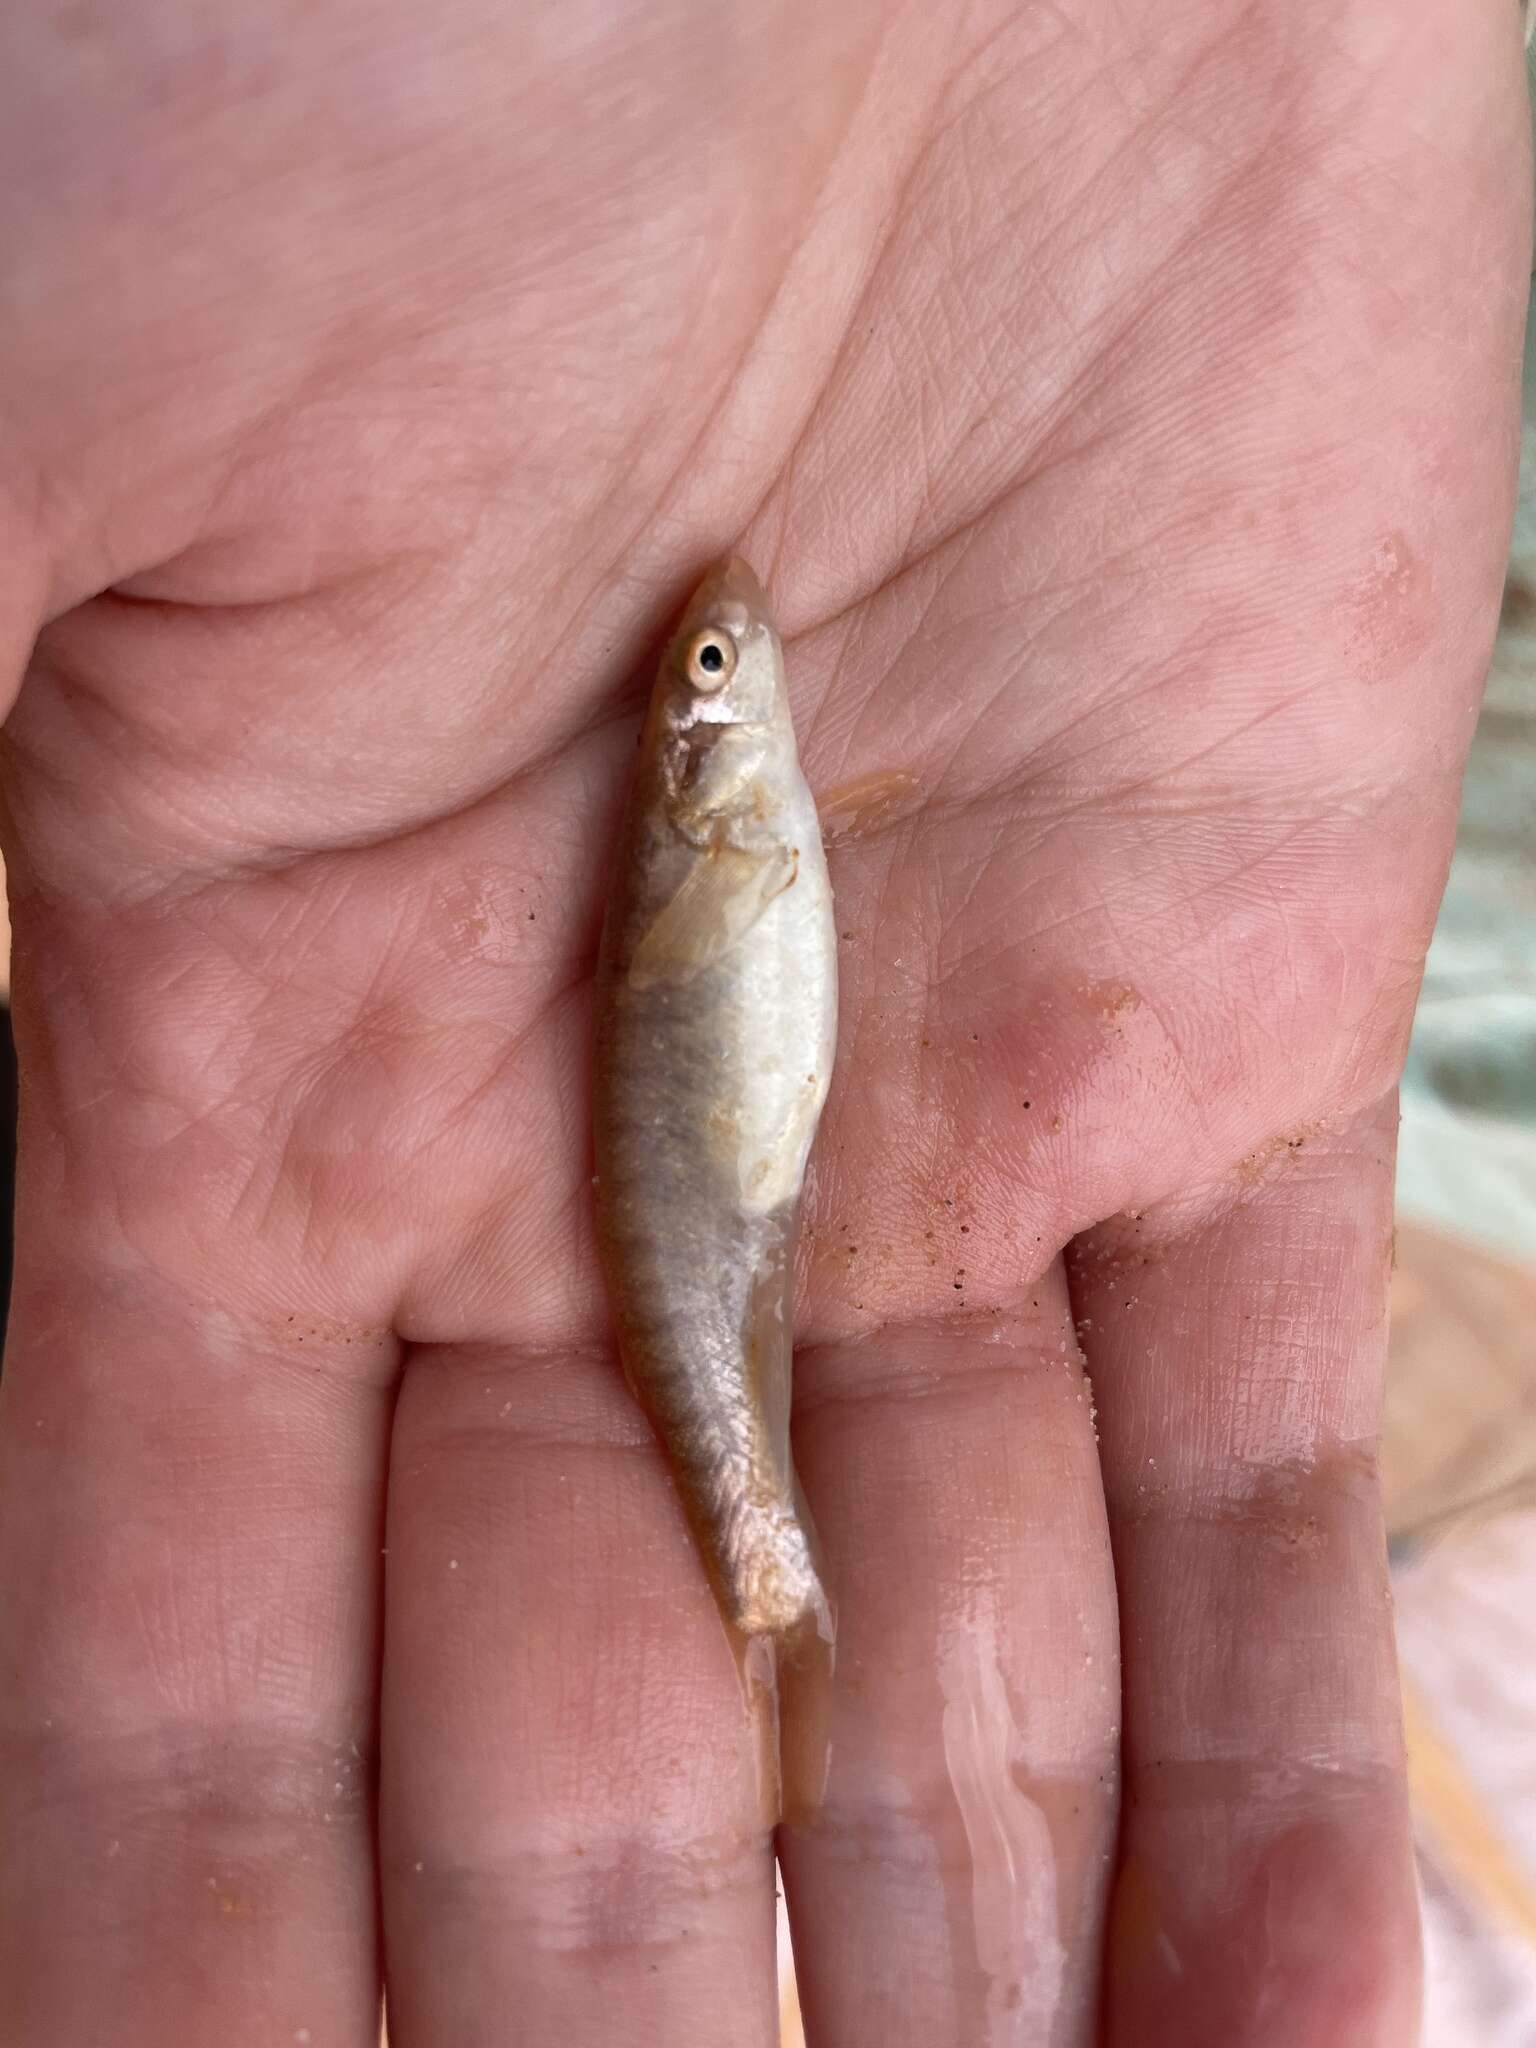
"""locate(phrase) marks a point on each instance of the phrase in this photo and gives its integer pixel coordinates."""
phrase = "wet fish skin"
(716, 1020)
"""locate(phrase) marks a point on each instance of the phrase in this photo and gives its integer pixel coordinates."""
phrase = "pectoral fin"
(722, 896)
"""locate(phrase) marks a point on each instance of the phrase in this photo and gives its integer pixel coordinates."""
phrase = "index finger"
(189, 1515)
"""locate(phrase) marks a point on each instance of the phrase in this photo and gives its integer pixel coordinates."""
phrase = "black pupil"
(711, 660)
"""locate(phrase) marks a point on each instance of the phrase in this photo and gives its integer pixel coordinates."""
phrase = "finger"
(189, 1534)
(948, 1886)
(575, 1818)
(1266, 1890)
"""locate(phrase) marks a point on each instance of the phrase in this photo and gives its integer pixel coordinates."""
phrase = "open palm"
(1118, 404)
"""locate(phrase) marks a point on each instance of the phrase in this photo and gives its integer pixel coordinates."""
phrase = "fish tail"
(769, 1565)
(769, 1554)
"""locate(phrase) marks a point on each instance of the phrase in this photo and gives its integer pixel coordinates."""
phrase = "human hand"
(1120, 407)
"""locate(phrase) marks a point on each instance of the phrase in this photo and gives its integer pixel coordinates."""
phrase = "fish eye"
(710, 660)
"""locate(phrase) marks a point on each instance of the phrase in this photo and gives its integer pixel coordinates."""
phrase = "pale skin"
(1120, 404)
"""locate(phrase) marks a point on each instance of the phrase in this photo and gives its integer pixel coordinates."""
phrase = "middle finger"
(574, 1810)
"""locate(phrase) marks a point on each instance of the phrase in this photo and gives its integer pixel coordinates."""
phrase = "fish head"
(725, 666)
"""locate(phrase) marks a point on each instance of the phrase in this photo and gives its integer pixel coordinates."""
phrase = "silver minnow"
(716, 1021)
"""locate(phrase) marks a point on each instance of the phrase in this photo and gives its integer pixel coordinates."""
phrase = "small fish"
(716, 1021)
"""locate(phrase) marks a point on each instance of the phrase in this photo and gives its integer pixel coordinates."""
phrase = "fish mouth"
(730, 596)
